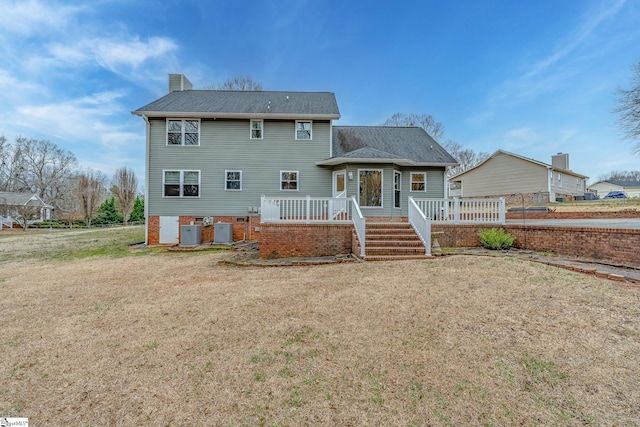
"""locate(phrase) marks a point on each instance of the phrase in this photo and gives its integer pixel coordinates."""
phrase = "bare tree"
(628, 109)
(43, 168)
(245, 83)
(11, 167)
(27, 215)
(434, 128)
(125, 187)
(620, 176)
(90, 192)
(466, 158)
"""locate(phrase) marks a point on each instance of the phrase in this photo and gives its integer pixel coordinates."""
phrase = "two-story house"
(509, 175)
(212, 153)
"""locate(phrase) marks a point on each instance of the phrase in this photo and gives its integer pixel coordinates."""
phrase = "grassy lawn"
(94, 333)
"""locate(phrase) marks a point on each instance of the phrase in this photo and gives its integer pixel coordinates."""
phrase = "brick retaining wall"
(631, 213)
(605, 244)
(308, 240)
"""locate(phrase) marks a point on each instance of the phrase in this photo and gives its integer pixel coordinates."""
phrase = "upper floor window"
(183, 132)
(418, 181)
(288, 180)
(233, 180)
(179, 183)
(304, 129)
(559, 179)
(256, 129)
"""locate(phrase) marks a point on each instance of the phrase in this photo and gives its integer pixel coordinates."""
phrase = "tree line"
(76, 194)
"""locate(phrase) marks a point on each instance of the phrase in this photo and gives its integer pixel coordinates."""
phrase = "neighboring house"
(213, 153)
(515, 177)
(630, 188)
(15, 206)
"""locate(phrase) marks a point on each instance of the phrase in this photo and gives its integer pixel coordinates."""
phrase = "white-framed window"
(183, 131)
(257, 128)
(397, 189)
(180, 183)
(289, 180)
(579, 185)
(370, 188)
(418, 181)
(559, 179)
(233, 180)
(304, 129)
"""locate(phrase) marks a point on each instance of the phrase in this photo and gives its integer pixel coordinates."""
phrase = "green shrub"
(496, 238)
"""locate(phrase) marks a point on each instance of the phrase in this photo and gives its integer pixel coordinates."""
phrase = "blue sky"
(531, 77)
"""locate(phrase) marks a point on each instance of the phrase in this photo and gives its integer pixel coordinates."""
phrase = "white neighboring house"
(13, 207)
(630, 188)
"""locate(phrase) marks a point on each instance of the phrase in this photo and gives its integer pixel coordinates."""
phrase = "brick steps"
(392, 241)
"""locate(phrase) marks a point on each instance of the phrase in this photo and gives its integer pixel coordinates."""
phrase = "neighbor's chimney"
(179, 82)
(560, 161)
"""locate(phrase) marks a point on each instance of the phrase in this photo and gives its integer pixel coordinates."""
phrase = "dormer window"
(256, 129)
(183, 132)
(304, 129)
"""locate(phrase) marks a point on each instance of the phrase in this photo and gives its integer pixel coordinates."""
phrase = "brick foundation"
(242, 228)
(309, 240)
(304, 240)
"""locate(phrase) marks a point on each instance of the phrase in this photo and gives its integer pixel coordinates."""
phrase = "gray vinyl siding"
(435, 187)
(226, 145)
(502, 175)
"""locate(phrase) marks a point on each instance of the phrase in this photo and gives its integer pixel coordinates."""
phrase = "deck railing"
(359, 223)
(460, 211)
(306, 209)
(6, 221)
(421, 224)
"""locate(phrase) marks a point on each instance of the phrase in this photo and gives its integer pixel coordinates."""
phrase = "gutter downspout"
(146, 181)
(446, 181)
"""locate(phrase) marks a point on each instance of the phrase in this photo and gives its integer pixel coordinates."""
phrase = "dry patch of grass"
(39, 244)
(175, 339)
(604, 205)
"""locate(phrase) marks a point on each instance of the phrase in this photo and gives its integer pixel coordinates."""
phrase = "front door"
(339, 191)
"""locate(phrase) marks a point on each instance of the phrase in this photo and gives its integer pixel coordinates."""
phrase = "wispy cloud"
(576, 37)
(545, 74)
(29, 17)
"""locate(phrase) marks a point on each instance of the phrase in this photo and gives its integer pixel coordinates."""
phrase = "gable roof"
(243, 104)
(527, 159)
(626, 184)
(21, 199)
(404, 146)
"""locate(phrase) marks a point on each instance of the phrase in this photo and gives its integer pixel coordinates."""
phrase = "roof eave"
(399, 162)
(201, 115)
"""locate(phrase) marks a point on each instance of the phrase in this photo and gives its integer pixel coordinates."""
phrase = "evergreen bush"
(496, 238)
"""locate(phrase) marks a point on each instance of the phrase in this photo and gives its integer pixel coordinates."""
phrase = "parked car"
(615, 195)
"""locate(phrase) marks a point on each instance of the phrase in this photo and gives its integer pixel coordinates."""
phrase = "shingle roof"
(406, 146)
(21, 199)
(626, 184)
(502, 152)
(229, 103)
